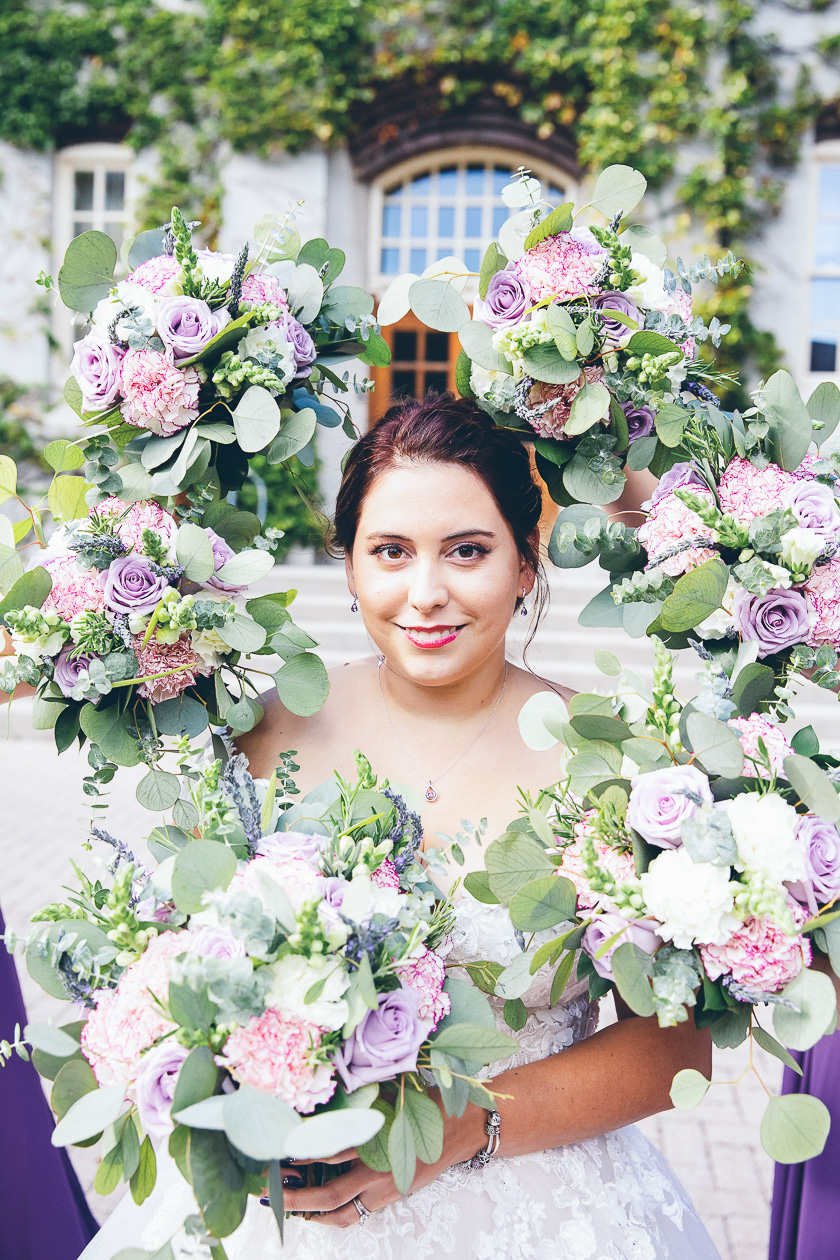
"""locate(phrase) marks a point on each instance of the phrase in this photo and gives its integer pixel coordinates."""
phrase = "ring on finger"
(361, 1209)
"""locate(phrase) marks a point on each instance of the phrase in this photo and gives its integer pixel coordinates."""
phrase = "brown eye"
(393, 553)
(467, 551)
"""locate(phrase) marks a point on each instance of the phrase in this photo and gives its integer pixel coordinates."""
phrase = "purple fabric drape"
(805, 1222)
(43, 1213)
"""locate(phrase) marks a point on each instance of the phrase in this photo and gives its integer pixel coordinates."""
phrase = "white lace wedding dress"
(608, 1198)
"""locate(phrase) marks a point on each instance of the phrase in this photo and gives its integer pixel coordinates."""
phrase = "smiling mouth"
(431, 636)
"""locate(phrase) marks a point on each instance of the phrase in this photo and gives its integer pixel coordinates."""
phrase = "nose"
(427, 589)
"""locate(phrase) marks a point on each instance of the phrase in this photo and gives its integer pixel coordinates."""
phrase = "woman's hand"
(462, 1137)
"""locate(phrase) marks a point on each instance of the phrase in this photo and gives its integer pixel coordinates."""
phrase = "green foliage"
(287, 509)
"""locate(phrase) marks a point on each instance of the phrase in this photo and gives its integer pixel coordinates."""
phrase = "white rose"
(801, 547)
(209, 646)
(291, 979)
(522, 192)
(692, 900)
(363, 899)
(215, 266)
(481, 379)
(124, 295)
(263, 344)
(765, 834)
(650, 291)
(717, 623)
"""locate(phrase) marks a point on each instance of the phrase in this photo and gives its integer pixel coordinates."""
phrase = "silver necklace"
(431, 793)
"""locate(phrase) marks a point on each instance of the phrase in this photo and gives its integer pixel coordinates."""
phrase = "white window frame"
(827, 152)
(437, 159)
(98, 157)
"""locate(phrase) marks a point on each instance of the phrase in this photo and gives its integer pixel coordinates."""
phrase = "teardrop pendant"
(430, 793)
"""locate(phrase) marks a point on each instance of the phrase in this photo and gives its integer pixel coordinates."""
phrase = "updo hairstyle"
(443, 429)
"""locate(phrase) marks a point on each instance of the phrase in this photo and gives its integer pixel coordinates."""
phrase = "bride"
(437, 518)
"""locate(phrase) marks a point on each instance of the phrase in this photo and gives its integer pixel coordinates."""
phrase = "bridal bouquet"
(691, 855)
(577, 336)
(741, 545)
(198, 359)
(135, 624)
(275, 988)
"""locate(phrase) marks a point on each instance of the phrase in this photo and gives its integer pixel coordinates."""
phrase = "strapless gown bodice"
(608, 1198)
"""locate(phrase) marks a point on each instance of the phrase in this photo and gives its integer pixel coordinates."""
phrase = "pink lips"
(410, 632)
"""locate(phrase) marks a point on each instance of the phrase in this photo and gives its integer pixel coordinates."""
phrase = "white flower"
(209, 646)
(650, 292)
(524, 191)
(119, 299)
(765, 834)
(676, 374)
(267, 345)
(801, 547)
(692, 900)
(481, 379)
(293, 976)
(717, 623)
(215, 266)
(363, 899)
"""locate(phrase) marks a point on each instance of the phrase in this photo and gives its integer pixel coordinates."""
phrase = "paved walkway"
(715, 1150)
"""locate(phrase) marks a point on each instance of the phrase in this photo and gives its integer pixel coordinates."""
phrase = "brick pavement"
(714, 1150)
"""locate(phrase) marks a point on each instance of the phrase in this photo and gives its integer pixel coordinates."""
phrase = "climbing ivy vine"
(631, 80)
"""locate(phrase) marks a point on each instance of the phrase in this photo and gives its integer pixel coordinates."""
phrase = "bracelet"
(493, 1129)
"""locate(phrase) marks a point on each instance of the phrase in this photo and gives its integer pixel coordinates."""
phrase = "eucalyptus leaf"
(513, 861)
(590, 404)
(305, 292)
(716, 745)
(438, 305)
(246, 568)
(92, 1113)
(204, 865)
(256, 419)
(258, 1124)
(643, 240)
(811, 1013)
(558, 220)
(493, 261)
(475, 1043)
(794, 1128)
(396, 303)
(587, 486)
(87, 273)
(195, 552)
(545, 363)
(542, 904)
(618, 190)
(824, 409)
(66, 497)
(814, 786)
(159, 790)
(541, 720)
(51, 1040)
(774, 1047)
(323, 1136)
(296, 432)
(62, 455)
(791, 428)
(696, 595)
(302, 684)
(688, 1089)
(476, 338)
(632, 967)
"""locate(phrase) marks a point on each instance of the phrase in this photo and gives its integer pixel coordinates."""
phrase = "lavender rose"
(185, 325)
(639, 421)
(222, 552)
(67, 668)
(662, 800)
(96, 367)
(615, 331)
(303, 347)
(385, 1042)
(641, 932)
(131, 586)
(286, 844)
(676, 477)
(814, 506)
(216, 942)
(777, 620)
(507, 299)
(583, 236)
(820, 843)
(155, 1087)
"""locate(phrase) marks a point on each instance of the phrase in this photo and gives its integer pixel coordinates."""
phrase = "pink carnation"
(759, 955)
(128, 1019)
(156, 657)
(262, 288)
(74, 589)
(753, 728)
(679, 303)
(156, 274)
(671, 523)
(822, 595)
(559, 267)
(301, 883)
(386, 876)
(553, 423)
(139, 516)
(620, 865)
(426, 974)
(158, 396)
(278, 1055)
(747, 492)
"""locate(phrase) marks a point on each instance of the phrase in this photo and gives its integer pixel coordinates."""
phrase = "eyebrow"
(464, 533)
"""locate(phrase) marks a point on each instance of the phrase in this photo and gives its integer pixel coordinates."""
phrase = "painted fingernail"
(293, 1182)
(266, 1202)
(286, 1163)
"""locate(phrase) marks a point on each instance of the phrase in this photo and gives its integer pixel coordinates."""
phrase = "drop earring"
(354, 607)
(523, 611)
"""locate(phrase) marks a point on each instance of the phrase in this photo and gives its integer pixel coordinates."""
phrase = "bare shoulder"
(526, 684)
(279, 730)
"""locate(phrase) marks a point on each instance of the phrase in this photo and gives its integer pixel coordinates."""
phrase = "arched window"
(427, 209)
(824, 331)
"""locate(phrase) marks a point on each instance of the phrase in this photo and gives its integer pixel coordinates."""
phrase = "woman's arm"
(614, 1078)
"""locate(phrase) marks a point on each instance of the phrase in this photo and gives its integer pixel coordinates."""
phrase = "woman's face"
(437, 571)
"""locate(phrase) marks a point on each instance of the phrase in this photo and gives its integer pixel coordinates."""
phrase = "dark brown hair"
(443, 429)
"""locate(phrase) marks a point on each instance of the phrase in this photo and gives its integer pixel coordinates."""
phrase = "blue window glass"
(472, 224)
(417, 260)
(446, 221)
(448, 182)
(391, 220)
(824, 355)
(419, 221)
(472, 258)
(390, 262)
(421, 186)
(500, 215)
(555, 195)
(827, 247)
(475, 181)
(501, 178)
(829, 195)
(825, 299)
